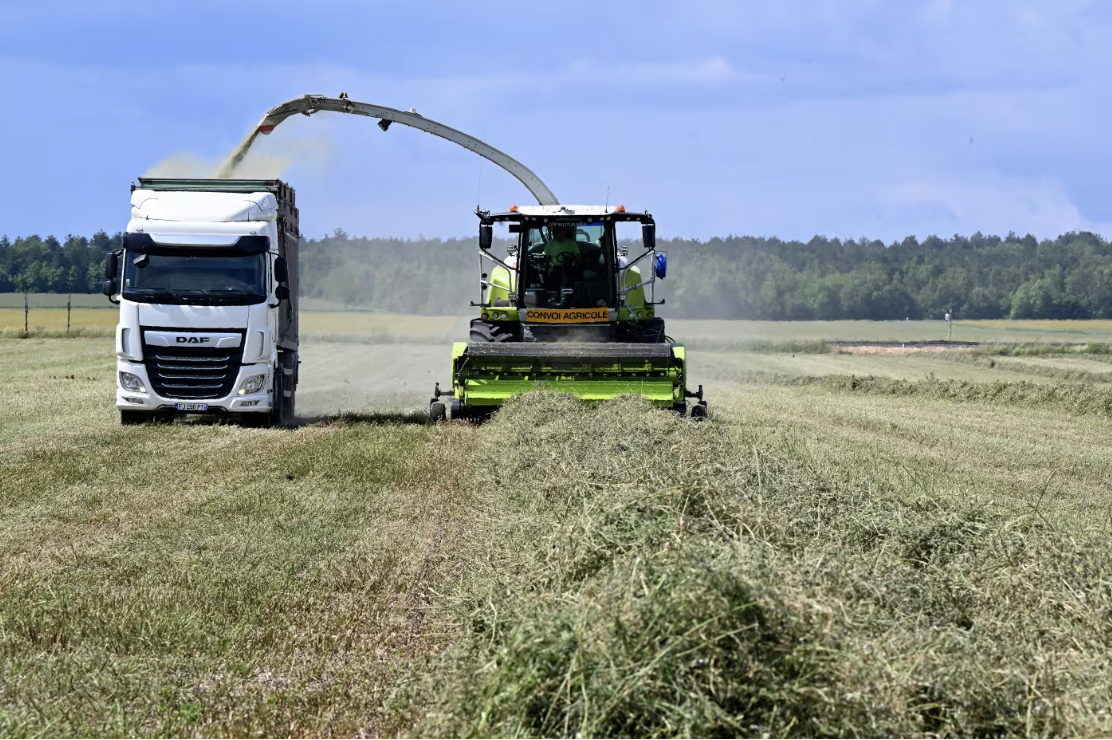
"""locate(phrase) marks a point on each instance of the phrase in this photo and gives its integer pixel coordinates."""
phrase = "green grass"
(895, 331)
(323, 319)
(830, 554)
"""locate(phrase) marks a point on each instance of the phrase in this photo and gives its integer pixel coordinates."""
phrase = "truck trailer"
(206, 283)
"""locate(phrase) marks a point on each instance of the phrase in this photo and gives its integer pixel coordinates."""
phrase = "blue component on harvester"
(661, 265)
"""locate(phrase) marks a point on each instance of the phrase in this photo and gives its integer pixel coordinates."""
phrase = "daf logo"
(193, 340)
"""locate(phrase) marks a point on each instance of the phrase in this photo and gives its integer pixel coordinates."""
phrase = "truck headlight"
(254, 384)
(131, 382)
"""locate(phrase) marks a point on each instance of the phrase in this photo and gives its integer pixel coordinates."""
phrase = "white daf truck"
(207, 288)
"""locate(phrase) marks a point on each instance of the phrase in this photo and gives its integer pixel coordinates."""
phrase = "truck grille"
(192, 373)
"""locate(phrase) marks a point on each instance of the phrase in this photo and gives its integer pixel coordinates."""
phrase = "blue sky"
(848, 118)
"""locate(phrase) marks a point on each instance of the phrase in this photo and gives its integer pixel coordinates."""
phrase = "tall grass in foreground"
(632, 573)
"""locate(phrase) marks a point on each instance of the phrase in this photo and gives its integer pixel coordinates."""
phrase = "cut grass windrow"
(641, 575)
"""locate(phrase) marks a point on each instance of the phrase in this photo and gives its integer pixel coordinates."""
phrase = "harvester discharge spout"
(310, 104)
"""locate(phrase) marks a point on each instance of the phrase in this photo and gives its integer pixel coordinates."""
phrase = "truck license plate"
(191, 406)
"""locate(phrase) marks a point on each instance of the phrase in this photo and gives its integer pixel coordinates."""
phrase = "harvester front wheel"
(482, 331)
(645, 331)
(437, 412)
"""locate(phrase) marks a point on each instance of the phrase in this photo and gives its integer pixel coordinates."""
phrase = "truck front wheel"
(288, 406)
(130, 418)
(277, 415)
(273, 418)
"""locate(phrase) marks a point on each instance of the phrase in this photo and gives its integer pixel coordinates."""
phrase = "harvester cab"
(568, 309)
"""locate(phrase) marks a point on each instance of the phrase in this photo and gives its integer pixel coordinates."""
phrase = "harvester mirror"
(661, 265)
(282, 293)
(486, 236)
(648, 235)
(281, 270)
(111, 266)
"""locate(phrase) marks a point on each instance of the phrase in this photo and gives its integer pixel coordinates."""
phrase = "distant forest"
(976, 277)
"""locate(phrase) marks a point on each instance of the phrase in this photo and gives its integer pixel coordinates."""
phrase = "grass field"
(323, 320)
(335, 326)
(853, 545)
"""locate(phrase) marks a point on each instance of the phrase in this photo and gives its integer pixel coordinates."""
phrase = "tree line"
(742, 277)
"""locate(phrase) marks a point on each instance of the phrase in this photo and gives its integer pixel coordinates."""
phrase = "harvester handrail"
(310, 104)
(491, 257)
(645, 254)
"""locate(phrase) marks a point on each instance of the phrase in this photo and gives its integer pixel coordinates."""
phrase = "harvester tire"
(700, 411)
(645, 331)
(482, 331)
(437, 412)
(456, 408)
(680, 407)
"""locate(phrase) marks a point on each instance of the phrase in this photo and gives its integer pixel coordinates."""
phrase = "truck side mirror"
(108, 287)
(281, 270)
(111, 266)
(486, 236)
(648, 235)
(282, 293)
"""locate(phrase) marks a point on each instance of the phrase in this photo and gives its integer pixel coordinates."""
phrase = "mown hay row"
(632, 573)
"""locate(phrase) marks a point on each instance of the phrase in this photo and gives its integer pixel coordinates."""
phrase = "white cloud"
(987, 203)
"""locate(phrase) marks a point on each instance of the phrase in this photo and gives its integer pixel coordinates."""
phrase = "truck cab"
(206, 283)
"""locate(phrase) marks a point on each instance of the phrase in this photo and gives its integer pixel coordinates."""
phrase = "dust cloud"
(356, 378)
(255, 158)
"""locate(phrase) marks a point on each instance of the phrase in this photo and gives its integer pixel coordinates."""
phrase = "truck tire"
(273, 418)
(482, 331)
(288, 366)
(131, 418)
(277, 415)
(288, 407)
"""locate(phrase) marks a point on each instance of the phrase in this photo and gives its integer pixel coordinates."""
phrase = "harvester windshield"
(568, 265)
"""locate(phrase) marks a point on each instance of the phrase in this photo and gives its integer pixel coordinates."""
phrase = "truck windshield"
(568, 265)
(192, 278)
